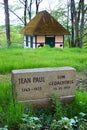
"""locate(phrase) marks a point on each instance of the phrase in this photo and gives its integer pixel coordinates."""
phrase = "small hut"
(44, 29)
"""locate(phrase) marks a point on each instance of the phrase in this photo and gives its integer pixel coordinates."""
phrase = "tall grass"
(19, 58)
(10, 113)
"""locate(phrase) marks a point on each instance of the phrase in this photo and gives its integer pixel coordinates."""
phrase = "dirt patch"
(5, 77)
(81, 80)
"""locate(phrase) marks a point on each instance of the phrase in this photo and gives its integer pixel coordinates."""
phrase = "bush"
(76, 123)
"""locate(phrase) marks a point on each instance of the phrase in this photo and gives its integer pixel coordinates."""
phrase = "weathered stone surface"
(37, 85)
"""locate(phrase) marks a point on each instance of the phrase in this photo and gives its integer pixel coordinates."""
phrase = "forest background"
(72, 14)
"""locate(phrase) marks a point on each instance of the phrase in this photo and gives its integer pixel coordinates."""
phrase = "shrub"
(76, 123)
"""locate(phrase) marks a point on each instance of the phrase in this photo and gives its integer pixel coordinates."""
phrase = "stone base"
(47, 102)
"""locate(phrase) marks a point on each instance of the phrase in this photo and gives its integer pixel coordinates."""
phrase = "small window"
(61, 45)
(41, 45)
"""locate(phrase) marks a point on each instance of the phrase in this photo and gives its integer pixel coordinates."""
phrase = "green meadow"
(20, 58)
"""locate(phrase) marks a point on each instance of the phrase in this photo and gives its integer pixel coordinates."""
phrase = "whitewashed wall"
(29, 43)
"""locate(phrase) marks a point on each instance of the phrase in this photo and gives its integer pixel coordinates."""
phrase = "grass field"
(19, 58)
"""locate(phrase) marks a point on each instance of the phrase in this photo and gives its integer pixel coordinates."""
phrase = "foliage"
(56, 104)
(30, 123)
(13, 115)
(46, 115)
(62, 124)
(5, 94)
(16, 37)
(4, 128)
(77, 106)
(59, 15)
(75, 123)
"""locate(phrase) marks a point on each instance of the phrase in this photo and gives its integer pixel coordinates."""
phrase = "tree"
(27, 5)
(24, 3)
(27, 9)
(25, 13)
(37, 5)
(82, 23)
(7, 22)
(68, 19)
(72, 22)
(77, 23)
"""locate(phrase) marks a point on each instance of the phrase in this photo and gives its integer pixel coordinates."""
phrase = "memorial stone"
(37, 85)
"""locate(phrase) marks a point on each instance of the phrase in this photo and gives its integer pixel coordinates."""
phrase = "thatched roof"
(44, 24)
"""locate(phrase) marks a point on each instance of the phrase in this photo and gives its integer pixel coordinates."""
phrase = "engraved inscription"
(31, 84)
(25, 89)
(24, 80)
(53, 83)
(61, 77)
(29, 80)
(60, 82)
(38, 79)
(56, 85)
(31, 89)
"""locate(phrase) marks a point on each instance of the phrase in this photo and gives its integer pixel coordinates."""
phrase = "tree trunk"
(77, 23)
(68, 21)
(29, 9)
(25, 7)
(7, 22)
(82, 24)
(37, 5)
(76, 30)
(72, 22)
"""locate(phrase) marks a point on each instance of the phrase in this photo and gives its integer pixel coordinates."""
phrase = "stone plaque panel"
(40, 83)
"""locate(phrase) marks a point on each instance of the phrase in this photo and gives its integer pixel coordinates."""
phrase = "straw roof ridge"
(44, 24)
